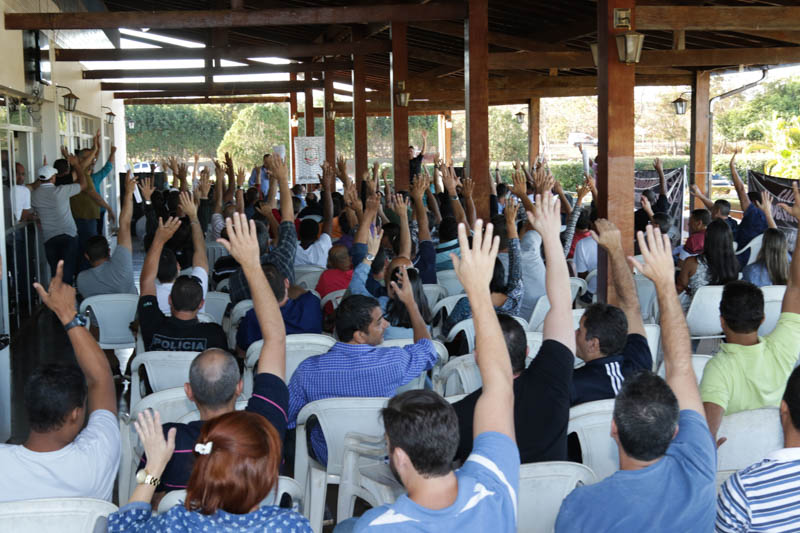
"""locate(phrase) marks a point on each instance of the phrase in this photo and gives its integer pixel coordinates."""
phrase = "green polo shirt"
(740, 378)
(82, 204)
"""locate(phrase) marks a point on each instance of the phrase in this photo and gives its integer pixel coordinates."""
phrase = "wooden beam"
(399, 74)
(679, 40)
(615, 106)
(359, 105)
(785, 36)
(533, 130)
(717, 18)
(262, 68)
(495, 38)
(233, 53)
(235, 18)
(476, 80)
(330, 125)
(204, 100)
(254, 87)
(432, 56)
(448, 137)
(293, 129)
(699, 164)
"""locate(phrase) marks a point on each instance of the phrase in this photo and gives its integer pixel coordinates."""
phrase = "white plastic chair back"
(535, 340)
(216, 304)
(165, 370)
(752, 435)
(589, 277)
(639, 258)
(591, 422)
(542, 488)
(441, 351)
(299, 347)
(540, 310)
(754, 246)
(459, 376)
(646, 291)
(468, 327)
(434, 293)
(334, 297)
(206, 318)
(703, 314)
(114, 314)
(237, 314)
(194, 416)
(653, 334)
(286, 485)
(224, 285)
(577, 287)
(448, 304)
(307, 276)
(449, 280)
(577, 314)
(56, 515)
(699, 362)
(773, 302)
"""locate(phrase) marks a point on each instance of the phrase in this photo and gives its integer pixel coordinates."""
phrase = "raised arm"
(662, 180)
(243, 246)
(519, 188)
(744, 201)
(401, 208)
(165, 231)
(450, 186)
(658, 266)
(609, 238)
(199, 258)
(567, 208)
(546, 219)
(418, 189)
(424, 143)
(791, 299)
(702, 197)
(230, 186)
(60, 298)
(765, 205)
(648, 209)
(328, 182)
(78, 170)
(467, 190)
(405, 294)
(367, 219)
(494, 410)
(126, 213)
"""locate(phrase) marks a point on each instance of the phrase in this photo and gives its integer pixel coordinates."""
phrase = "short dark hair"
(650, 195)
(702, 215)
(309, 229)
(742, 306)
(97, 248)
(663, 221)
(167, 266)
(62, 166)
(516, 341)
(213, 375)
(500, 230)
(448, 229)
(275, 278)
(584, 220)
(498, 281)
(792, 397)
(51, 393)
(187, 294)
(646, 414)
(378, 262)
(425, 426)
(502, 189)
(755, 197)
(723, 206)
(354, 314)
(608, 324)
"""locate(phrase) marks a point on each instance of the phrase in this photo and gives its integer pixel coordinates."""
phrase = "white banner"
(310, 153)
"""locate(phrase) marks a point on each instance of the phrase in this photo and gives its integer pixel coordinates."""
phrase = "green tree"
(782, 140)
(738, 121)
(256, 130)
(508, 139)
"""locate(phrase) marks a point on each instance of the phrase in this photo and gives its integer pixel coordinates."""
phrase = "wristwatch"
(79, 320)
(370, 257)
(143, 478)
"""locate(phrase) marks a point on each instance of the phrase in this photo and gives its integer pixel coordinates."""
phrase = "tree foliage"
(256, 130)
(743, 121)
(782, 141)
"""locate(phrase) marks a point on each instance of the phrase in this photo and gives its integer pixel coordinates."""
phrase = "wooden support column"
(533, 130)
(330, 129)
(292, 128)
(699, 163)
(476, 79)
(447, 154)
(399, 74)
(359, 109)
(616, 138)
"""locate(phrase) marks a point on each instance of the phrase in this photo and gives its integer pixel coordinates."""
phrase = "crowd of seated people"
(457, 459)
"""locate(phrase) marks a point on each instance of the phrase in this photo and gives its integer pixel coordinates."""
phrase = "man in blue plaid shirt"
(356, 366)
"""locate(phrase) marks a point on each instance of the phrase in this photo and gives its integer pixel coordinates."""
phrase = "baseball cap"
(46, 172)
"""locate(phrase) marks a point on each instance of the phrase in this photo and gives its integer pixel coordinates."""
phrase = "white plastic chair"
(540, 310)
(699, 362)
(299, 347)
(754, 246)
(307, 276)
(193, 416)
(752, 435)
(224, 285)
(591, 422)
(237, 314)
(449, 280)
(216, 304)
(336, 417)
(653, 334)
(441, 351)
(534, 343)
(468, 327)
(773, 302)
(459, 376)
(447, 304)
(648, 303)
(434, 293)
(577, 314)
(703, 314)
(114, 314)
(56, 515)
(334, 297)
(577, 287)
(171, 404)
(589, 277)
(286, 485)
(542, 488)
(165, 370)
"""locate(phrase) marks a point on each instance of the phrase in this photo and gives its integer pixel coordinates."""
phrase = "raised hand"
(401, 207)
(157, 449)
(475, 267)
(373, 203)
(403, 290)
(606, 234)
(167, 229)
(657, 164)
(419, 187)
(278, 168)
(147, 187)
(583, 190)
(546, 216)
(794, 209)
(60, 296)
(341, 168)
(449, 181)
(468, 187)
(240, 177)
(374, 242)
(328, 176)
(646, 205)
(656, 251)
(130, 183)
(242, 242)
(519, 185)
(187, 205)
(205, 184)
(765, 205)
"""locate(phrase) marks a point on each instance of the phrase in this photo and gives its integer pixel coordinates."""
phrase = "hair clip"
(203, 449)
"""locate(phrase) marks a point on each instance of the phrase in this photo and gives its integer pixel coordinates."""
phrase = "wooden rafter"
(717, 18)
(204, 100)
(255, 87)
(262, 68)
(495, 38)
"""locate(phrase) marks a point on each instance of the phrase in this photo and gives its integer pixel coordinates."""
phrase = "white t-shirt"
(22, 200)
(164, 289)
(316, 254)
(85, 468)
(586, 260)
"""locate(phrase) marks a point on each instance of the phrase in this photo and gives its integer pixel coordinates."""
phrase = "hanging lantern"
(629, 46)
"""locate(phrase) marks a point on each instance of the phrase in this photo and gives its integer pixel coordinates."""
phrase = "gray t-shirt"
(51, 203)
(115, 276)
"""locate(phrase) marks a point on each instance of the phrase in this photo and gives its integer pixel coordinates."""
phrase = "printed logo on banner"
(780, 191)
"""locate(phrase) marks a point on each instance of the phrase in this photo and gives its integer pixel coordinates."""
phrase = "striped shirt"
(443, 250)
(762, 497)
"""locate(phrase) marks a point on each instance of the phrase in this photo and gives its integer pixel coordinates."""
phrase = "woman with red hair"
(237, 456)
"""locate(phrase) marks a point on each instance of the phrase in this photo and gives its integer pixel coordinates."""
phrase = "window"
(76, 131)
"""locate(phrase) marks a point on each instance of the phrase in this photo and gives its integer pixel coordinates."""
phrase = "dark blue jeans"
(87, 227)
(62, 247)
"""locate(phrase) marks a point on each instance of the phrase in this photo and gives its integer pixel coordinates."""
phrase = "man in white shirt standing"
(61, 458)
(312, 250)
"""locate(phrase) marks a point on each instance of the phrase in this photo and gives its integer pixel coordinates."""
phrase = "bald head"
(396, 263)
(339, 258)
(213, 376)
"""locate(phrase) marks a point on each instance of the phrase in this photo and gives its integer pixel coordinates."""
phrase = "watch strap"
(78, 320)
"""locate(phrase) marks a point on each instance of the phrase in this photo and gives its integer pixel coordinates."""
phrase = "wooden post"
(399, 74)
(533, 130)
(476, 79)
(447, 153)
(616, 138)
(292, 128)
(699, 164)
(330, 129)
(359, 109)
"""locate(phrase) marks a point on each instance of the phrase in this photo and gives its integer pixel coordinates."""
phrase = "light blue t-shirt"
(677, 493)
(487, 496)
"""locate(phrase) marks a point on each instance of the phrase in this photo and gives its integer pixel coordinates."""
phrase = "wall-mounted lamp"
(520, 117)
(448, 124)
(680, 104)
(629, 46)
(70, 100)
(330, 113)
(294, 122)
(110, 116)
(131, 124)
(401, 97)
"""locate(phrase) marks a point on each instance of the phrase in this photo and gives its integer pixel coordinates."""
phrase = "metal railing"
(26, 263)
